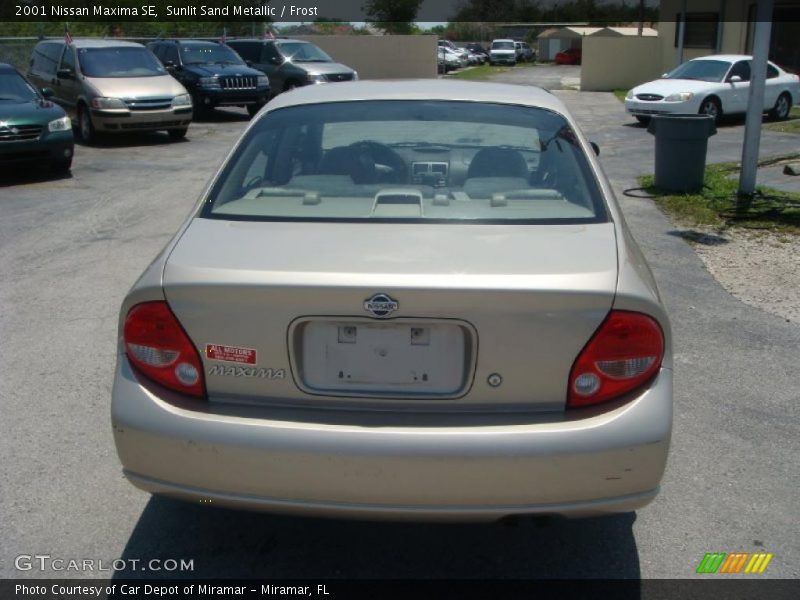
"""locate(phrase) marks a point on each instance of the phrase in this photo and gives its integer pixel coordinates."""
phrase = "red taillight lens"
(157, 345)
(623, 354)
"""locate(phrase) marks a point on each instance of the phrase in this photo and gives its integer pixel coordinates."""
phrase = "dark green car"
(32, 129)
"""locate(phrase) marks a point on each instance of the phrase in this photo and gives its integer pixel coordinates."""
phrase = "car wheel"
(177, 134)
(85, 126)
(642, 120)
(252, 109)
(62, 166)
(711, 107)
(782, 108)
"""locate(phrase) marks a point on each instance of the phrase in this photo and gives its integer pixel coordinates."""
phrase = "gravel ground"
(759, 268)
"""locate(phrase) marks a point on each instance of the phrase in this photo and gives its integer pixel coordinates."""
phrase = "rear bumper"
(607, 463)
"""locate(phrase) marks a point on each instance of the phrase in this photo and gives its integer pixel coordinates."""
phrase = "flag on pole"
(67, 36)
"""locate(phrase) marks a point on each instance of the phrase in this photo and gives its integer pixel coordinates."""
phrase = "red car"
(572, 56)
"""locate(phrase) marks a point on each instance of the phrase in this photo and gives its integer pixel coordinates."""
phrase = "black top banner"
(282, 11)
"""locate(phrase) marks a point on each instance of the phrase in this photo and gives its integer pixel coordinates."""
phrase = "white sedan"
(713, 85)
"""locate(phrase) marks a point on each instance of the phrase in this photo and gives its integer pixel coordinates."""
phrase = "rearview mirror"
(735, 79)
(47, 92)
(595, 147)
(65, 74)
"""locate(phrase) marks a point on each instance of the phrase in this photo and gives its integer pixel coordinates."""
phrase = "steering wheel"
(379, 163)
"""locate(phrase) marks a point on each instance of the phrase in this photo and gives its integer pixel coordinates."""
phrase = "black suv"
(213, 74)
(292, 63)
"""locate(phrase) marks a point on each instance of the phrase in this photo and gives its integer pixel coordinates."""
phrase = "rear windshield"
(202, 54)
(409, 161)
(14, 88)
(119, 62)
(503, 45)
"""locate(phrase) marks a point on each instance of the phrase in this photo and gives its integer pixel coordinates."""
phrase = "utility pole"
(681, 32)
(755, 100)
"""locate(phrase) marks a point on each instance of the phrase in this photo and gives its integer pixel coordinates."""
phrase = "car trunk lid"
(473, 317)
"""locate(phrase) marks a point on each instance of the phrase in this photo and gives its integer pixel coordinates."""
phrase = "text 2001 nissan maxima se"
(401, 301)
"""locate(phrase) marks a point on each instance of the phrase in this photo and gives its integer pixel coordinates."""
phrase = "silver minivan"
(111, 86)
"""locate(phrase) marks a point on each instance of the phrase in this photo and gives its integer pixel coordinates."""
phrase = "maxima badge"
(380, 305)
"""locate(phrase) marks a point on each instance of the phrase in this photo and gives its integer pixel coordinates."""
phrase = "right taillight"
(624, 353)
(158, 347)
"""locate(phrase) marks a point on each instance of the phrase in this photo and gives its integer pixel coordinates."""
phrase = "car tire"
(177, 134)
(711, 107)
(782, 108)
(61, 166)
(642, 120)
(85, 125)
(252, 109)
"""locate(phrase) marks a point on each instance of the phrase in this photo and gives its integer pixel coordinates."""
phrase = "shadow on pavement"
(699, 237)
(28, 174)
(225, 543)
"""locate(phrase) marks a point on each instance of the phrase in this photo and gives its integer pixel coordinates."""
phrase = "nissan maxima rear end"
(400, 301)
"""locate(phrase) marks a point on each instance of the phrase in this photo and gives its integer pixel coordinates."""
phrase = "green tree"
(393, 16)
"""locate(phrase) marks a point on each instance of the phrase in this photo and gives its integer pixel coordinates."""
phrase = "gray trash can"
(681, 145)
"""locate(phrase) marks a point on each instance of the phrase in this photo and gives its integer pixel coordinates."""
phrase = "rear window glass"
(411, 161)
(119, 62)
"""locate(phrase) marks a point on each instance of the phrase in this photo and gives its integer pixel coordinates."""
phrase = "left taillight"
(159, 348)
(624, 353)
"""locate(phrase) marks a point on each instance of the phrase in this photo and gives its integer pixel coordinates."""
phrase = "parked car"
(402, 302)
(503, 52)
(452, 60)
(713, 85)
(32, 128)
(111, 86)
(570, 56)
(291, 63)
(213, 74)
(528, 53)
(478, 49)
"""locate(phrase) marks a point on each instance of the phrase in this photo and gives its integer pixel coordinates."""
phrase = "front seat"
(498, 162)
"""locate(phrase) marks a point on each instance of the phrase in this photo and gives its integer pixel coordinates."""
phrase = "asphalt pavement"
(71, 248)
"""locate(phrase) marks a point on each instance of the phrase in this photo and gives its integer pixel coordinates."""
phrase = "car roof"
(502, 40)
(278, 39)
(192, 42)
(725, 57)
(421, 89)
(96, 43)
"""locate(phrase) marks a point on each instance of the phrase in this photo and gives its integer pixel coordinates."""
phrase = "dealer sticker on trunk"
(234, 354)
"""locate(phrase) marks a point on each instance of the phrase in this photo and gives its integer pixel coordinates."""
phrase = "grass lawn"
(792, 125)
(483, 72)
(620, 94)
(715, 205)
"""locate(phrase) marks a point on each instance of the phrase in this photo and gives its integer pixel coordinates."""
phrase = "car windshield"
(303, 52)
(701, 70)
(200, 54)
(502, 45)
(14, 88)
(438, 161)
(119, 62)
